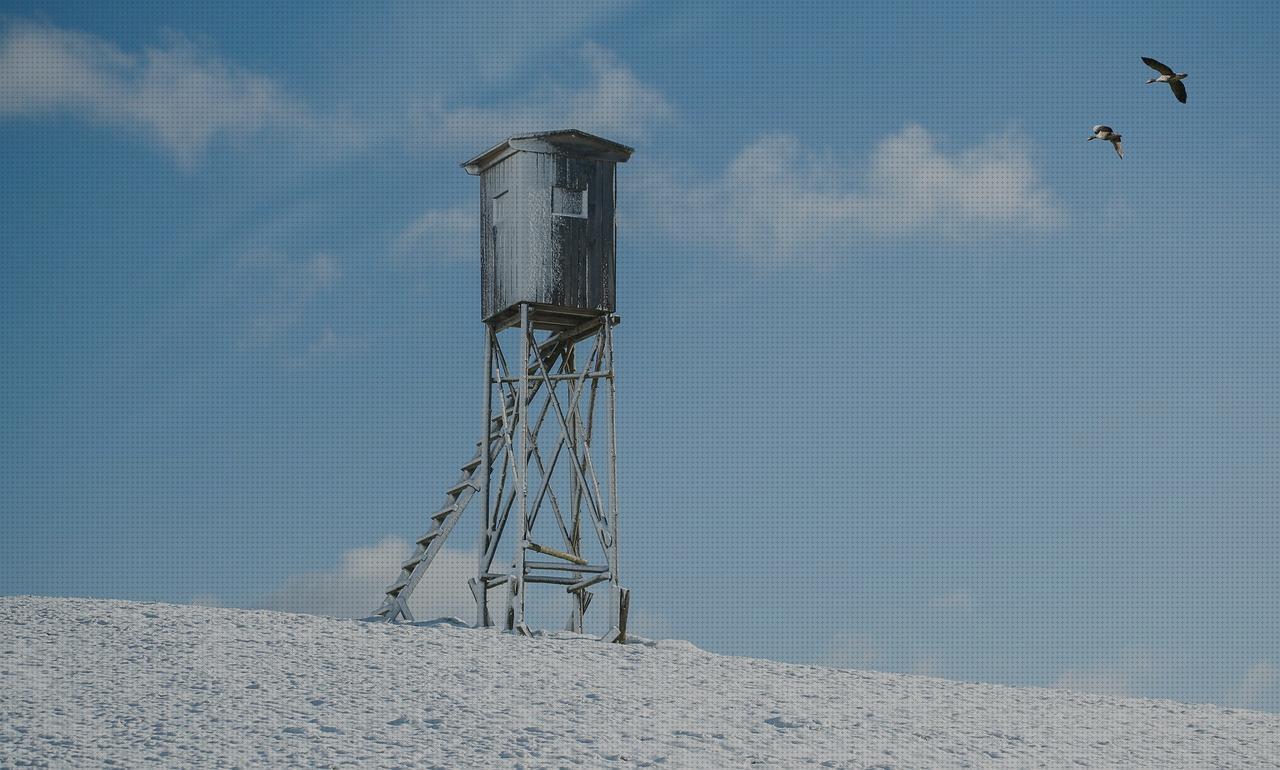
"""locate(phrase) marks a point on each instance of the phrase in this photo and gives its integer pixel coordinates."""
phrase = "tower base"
(550, 444)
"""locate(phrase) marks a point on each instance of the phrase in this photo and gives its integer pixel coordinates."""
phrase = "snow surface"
(93, 682)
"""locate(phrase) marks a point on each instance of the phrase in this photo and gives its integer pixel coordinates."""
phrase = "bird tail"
(1153, 80)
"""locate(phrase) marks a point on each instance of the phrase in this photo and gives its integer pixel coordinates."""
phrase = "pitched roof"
(572, 142)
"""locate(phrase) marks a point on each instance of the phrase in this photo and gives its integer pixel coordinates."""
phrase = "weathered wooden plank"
(534, 248)
(551, 565)
(548, 551)
(588, 581)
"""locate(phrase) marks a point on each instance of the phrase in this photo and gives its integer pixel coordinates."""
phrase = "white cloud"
(1258, 683)
(1127, 675)
(439, 234)
(186, 98)
(329, 345)
(180, 95)
(1101, 681)
(354, 588)
(926, 665)
(849, 651)
(642, 621)
(284, 289)
(614, 103)
(779, 202)
(954, 600)
(312, 275)
(465, 46)
(284, 311)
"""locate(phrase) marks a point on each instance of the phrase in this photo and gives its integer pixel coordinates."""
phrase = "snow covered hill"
(93, 682)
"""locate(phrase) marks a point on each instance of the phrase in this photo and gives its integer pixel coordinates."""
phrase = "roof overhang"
(571, 142)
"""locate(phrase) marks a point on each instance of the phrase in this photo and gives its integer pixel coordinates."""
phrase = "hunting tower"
(547, 296)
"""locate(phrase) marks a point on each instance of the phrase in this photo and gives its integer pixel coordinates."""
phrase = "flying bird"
(1108, 134)
(1167, 75)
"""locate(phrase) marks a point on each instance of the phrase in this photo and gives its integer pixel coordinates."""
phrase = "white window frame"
(582, 192)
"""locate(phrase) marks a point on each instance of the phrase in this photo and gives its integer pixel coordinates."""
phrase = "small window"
(500, 204)
(569, 203)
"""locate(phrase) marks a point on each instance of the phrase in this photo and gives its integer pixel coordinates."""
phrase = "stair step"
(456, 489)
(502, 426)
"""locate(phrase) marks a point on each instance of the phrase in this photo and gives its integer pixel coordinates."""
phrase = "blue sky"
(912, 377)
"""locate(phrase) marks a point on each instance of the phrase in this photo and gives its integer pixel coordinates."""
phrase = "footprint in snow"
(782, 723)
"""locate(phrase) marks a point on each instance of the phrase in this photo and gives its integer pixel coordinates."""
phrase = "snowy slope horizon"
(89, 681)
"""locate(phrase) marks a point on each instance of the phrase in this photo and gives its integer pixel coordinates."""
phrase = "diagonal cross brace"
(593, 503)
(395, 602)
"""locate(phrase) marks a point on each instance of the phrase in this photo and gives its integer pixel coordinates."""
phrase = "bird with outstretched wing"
(1167, 75)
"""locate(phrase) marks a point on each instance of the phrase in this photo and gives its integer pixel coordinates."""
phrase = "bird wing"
(1157, 66)
(1119, 149)
(1100, 129)
(1179, 90)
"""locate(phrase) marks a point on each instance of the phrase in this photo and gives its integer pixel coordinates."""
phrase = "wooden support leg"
(581, 601)
(522, 458)
(622, 604)
(515, 606)
(482, 602)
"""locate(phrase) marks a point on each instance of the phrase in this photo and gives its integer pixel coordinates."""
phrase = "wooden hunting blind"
(547, 223)
(548, 292)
